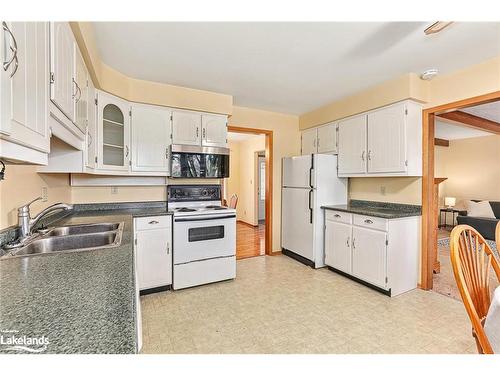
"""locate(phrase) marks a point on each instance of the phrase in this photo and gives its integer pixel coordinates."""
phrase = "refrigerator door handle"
(310, 207)
(311, 172)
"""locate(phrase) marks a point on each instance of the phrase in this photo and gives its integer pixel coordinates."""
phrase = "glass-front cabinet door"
(113, 132)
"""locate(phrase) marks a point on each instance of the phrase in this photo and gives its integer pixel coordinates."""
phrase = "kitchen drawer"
(371, 222)
(153, 222)
(338, 216)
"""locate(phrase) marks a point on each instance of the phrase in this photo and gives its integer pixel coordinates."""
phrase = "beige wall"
(244, 182)
(23, 184)
(472, 167)
(286, 138)
(397, 189)
(408, 86)
(232, 184)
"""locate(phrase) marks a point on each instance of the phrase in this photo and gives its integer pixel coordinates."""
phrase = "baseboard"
(247, 224)
(298, 257)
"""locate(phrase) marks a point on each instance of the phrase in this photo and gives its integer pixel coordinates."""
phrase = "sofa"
(484, 225)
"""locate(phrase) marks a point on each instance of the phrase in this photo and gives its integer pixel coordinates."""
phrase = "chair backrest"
(472, 258)
(233, 201)
(497, 236)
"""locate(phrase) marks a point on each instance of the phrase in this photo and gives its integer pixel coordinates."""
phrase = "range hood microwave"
(199, 162)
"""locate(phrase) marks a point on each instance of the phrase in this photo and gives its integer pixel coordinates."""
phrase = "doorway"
(254, 224)
(261, 186)
(458, 112)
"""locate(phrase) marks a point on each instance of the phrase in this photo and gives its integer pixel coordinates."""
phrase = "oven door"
(204, 237)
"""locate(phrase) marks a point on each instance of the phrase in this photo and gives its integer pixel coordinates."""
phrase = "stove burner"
(216, 207)
(185, 209)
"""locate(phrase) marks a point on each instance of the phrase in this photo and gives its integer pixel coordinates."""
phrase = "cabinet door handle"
(368, 221)
(168, 248)
(348, 240)
(126, 151)
(13, 48)
(166, 153)
(363, 156)
(369, 154)
(197, 132)
(154, 222)
(353, 243)
(204, 134)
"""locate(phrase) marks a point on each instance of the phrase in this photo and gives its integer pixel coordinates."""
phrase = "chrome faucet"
(26, 223)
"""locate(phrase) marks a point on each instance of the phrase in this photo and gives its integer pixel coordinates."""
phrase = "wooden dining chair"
(472, 258)
(497, 237)
(233, 202)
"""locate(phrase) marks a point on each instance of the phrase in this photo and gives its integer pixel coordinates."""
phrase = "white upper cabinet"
(214, 130)
(150, 138)
(186, 128)
(320, 140)
(81, 91)
(62, 57)
(113, 128)
(327, 139)
(308, 141)
(24, 93)
(352, 145)
(386, 140)
(389, 145)
(91, 127)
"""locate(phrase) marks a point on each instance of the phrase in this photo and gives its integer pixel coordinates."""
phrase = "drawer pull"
(368, 221)
(336, 215)
(348, 239)
(154, 222)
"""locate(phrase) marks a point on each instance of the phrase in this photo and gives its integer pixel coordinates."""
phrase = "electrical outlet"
(114, 190)
(382, 190)
(45, 194)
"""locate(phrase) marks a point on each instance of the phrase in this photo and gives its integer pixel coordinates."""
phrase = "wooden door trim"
(429, 238)
(269, 179)
(472, 121)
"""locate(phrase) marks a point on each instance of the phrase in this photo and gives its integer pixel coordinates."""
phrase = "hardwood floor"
(250, 240)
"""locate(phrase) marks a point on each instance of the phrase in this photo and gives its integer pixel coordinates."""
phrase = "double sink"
(72, 238)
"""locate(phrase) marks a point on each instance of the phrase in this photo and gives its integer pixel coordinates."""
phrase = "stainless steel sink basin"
(73, 238)
(53, 244)
(83, 229)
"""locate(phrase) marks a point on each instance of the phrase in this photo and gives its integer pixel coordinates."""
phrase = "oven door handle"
(205, 218)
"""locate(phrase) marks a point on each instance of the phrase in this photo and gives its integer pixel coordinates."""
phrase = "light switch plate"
(45, 194)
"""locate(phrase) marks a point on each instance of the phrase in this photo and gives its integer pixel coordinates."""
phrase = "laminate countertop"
(384, 210)
(79, 302)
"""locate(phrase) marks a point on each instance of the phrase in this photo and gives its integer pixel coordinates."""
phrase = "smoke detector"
(429, 74)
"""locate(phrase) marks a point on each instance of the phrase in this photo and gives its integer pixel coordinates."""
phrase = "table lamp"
(449, 202)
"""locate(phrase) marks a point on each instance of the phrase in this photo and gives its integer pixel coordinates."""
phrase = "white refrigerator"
(308, 182)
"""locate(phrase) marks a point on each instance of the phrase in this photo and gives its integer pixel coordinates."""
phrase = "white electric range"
(204, 235)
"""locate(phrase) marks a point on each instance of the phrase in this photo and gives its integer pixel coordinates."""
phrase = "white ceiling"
(289, 67)
(490, 111)
(446, 130)
(241, 137)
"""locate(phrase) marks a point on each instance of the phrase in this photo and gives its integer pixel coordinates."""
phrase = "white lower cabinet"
(381, 252)
(338, 252)
(369, 255)
(153, 249)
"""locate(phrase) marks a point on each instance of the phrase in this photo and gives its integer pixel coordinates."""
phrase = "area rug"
(444, 282)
